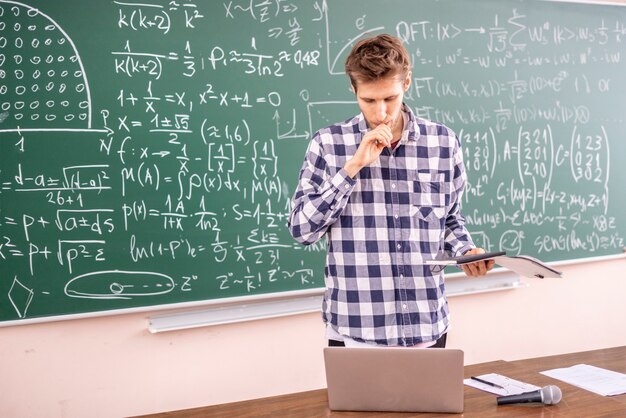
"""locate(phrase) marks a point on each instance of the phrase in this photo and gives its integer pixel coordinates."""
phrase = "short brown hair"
(377, 57)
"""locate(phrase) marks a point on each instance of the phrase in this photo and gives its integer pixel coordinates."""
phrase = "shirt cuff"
(464, 249)
(343, 182)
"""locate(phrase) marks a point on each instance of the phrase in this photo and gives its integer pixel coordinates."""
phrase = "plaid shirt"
(400, 210)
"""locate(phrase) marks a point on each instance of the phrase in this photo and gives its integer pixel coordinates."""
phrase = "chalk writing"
(149, 150)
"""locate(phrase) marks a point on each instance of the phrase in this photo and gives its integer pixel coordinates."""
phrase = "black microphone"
(548, 395)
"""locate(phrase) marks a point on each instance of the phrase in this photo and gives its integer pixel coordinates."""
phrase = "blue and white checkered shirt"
(398, 211)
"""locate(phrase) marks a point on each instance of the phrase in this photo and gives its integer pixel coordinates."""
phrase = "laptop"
(394, 379)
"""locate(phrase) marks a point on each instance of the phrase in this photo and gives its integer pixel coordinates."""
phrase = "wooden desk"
(576, 402)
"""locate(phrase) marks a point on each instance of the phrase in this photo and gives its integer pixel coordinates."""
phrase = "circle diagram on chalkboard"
(118, 284)
(43, 85)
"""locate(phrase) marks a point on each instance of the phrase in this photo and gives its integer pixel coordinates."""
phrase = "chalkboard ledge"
(456, 283)
(236, 312)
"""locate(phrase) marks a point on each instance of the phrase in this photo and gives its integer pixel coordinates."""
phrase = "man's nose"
(381, 112)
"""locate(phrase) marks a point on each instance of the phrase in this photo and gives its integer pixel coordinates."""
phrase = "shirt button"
(399, 246)
(393, 185)
(396, 216)
(404, 306)
(402, 276)
(347, 186)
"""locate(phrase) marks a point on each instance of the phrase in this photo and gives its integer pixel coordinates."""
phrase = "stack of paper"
(500, 385)
(595, 379)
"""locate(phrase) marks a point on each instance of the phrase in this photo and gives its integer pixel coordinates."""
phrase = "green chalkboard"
(149, 150)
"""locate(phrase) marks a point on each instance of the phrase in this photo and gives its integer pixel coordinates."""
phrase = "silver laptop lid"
(394, 379)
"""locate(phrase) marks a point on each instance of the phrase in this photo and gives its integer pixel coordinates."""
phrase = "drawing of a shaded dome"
(42, 80)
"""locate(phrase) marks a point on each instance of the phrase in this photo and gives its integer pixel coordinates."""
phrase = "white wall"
(112, 366)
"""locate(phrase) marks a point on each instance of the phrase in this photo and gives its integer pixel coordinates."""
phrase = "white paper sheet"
(510, 386)
(594, 379)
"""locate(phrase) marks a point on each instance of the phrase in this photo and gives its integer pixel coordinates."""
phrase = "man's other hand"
(479, 268)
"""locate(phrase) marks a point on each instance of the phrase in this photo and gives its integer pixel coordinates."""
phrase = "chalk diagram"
(20, 297)
(44, 88)
(324, 113)
(107, 284)
(41, 67)
(118, 284)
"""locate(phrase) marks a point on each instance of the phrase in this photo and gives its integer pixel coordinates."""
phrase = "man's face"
(381, 100)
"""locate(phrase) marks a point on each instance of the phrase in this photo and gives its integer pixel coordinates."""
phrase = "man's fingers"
(381, 136)
(387, 135)
(381, 141)
(466, 269)
(479, 268)
(482, 268)
(469, 269)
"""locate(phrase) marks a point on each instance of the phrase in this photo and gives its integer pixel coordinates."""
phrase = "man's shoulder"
(348, 126)
(429, 127)
(345, 132)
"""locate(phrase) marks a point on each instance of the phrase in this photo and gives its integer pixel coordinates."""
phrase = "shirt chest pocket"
(430, 197)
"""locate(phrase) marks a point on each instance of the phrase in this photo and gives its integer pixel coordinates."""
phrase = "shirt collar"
(413, 133)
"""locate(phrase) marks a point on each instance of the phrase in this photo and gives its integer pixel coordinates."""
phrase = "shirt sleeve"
(457, 238)
(320, 198)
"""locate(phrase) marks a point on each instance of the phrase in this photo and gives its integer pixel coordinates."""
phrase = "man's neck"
(398, 130)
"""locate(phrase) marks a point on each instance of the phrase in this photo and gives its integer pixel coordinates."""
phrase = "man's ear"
(407, 81)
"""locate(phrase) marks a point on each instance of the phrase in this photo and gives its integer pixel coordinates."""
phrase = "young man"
(384, 187)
